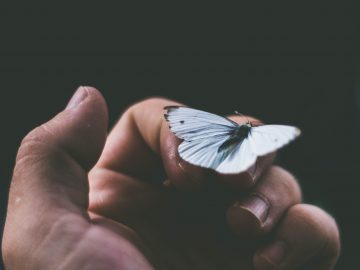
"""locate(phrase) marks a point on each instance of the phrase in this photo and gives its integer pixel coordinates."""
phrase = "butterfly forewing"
(191, 124)
(268, 138)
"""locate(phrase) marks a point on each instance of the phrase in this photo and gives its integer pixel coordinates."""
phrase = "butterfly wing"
(191, 124)
(268, 138)
(203, 133)
(261, 140)
(239, 159)
(204, 152)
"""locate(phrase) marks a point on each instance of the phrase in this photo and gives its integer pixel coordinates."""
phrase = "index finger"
(141, 143)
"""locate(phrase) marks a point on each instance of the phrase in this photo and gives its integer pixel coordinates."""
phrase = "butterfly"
(216, 142)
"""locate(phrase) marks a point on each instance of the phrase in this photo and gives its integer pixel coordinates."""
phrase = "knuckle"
(152, 101)
(142, 108)
(285, 182)
(33, 135)
(33, 147)
(32, 142)
(39, 134)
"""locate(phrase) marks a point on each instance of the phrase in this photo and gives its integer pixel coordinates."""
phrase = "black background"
(292, 64)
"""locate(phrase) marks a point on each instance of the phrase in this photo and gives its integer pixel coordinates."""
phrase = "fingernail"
(80, 94)
(274, 253)
(257, 205)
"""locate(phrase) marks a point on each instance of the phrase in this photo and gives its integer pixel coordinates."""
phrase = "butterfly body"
(237, 135)
(216, 142)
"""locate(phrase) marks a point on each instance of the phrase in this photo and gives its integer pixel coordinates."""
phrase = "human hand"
(121, 217)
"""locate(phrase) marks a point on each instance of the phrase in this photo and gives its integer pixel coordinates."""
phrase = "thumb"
(49, 189)
(53, 159)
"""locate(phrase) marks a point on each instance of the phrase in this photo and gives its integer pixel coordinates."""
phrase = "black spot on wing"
(182, 122)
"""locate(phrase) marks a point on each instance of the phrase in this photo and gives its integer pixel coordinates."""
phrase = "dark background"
(292, 64)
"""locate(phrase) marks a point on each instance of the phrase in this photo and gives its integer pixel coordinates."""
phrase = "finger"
(141, 141)
(307, 238)
(259, 212)
(50, 179)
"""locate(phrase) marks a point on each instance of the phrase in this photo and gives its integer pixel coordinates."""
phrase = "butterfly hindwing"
(239, 159)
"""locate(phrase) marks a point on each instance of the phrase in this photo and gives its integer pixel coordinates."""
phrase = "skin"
(84, 199)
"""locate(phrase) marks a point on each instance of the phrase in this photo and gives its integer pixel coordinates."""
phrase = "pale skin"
(81, 198)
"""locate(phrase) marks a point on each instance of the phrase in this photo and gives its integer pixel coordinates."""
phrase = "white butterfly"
(216, 142)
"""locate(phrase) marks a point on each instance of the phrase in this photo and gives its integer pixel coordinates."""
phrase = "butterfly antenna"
(237, 113)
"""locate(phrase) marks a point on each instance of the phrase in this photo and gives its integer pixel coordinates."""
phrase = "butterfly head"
(242, 131)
